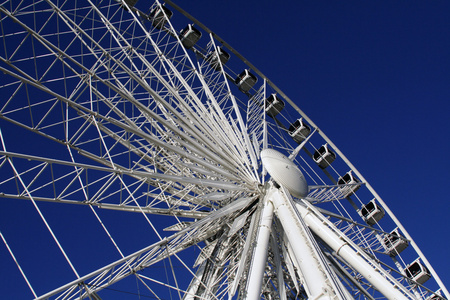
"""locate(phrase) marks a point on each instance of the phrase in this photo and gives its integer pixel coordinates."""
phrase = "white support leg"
(257, 268)
(316, 281)
(344, 250)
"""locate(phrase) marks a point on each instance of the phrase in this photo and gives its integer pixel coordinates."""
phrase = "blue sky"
(374, 76)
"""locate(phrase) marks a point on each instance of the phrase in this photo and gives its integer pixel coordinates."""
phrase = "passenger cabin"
(436, 296)
(159, 16)
(352, 183)
(245, 81)
(189, 36)
(324, 156)
(273, 105)
(299, 131)
(393, 243)
(218, 55)
(130, 3)
(417, 272)
(372, 212)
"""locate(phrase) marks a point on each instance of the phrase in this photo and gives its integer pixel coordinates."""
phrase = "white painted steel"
(316, 280)
(284, 172)
(351, 256)
(258, 263)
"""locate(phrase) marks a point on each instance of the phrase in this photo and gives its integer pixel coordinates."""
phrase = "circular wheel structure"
(141, 154)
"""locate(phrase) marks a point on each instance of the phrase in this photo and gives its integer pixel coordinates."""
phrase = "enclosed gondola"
(324, 156)
(372, 212)
(159, 16)
(245, 81)
(273, 105)
(394, 243)
(299, 131)
(189, 36)
(417, 272)
(350, 182)
(217, 58)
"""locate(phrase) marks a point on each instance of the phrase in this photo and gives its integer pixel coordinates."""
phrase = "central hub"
(284, 172)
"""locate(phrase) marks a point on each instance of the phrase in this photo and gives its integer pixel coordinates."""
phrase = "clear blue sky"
(374, 76)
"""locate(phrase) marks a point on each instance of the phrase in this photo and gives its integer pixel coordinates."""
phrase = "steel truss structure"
(152, 128)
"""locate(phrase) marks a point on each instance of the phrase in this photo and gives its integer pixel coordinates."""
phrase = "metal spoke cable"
(37, 209)
(17, 264)
(124, 184)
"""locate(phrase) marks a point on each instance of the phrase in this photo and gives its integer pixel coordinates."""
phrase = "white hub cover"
(285, 172)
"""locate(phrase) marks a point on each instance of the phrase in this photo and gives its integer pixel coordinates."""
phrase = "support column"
(316, 281)
(344, 250)
(258, 265)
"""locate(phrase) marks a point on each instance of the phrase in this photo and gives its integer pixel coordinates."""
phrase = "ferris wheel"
(142, 154)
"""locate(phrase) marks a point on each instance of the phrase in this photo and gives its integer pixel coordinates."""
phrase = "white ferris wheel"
(154, 160)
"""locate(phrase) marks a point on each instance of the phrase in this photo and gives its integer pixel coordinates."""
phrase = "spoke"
(18, 266)
(17, 175)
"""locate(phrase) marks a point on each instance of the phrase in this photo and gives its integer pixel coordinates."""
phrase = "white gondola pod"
(352, 184)
(273, 105)
(372, 212)
(245, 81)
(417, 272)
(189, 36)
(324, 156)
(299, 131)
(436, 296)
(159, 16)
(394, 243)
(129, 3)
(217, 55)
